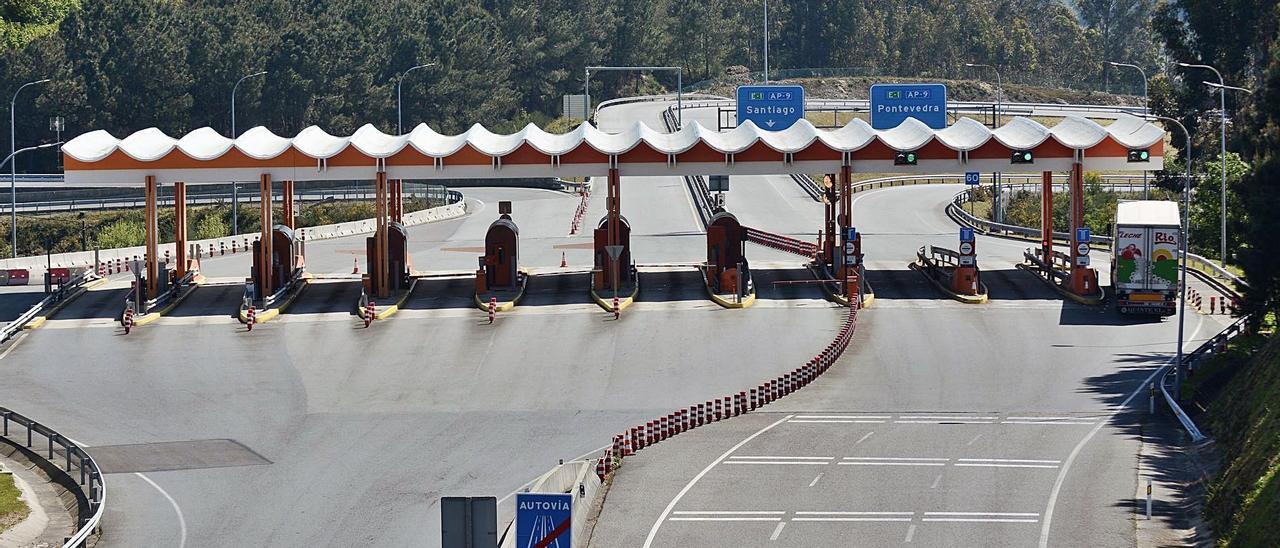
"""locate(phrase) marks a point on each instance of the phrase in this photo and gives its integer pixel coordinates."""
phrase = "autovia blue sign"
(544, 520)
(770, 107)
(892, 104)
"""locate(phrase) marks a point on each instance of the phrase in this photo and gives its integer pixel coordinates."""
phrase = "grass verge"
(12, 509)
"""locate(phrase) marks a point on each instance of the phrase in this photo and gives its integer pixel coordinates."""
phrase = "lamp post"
(400, 80)
(766, 42)
(235, 188)
(1146, 107)
(13, 169)
(995, 116)
(14, 208)
(1223, 116)
(1182, 265)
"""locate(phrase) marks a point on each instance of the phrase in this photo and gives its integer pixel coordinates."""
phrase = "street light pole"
(400, 80)
(766, 42)
(995, 116)
(235, 188)
(14, 208)
(1223, 116)
(13, 169)
(1146, 107)
(1182, 276)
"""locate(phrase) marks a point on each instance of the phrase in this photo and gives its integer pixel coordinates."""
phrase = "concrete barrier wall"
(37, 264)
(564, 478)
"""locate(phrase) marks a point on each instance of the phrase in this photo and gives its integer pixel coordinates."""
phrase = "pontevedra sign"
(892, 104)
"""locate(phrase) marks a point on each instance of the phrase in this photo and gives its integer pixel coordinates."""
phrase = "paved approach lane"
(945, 424)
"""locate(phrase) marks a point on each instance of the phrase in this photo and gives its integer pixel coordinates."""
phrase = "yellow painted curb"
(749, 300)
(506, 305)
(267, 315)
(155, 314)
(1088, 301)
(623, 301)
(980, 298)
(390, 310)
(38, 321)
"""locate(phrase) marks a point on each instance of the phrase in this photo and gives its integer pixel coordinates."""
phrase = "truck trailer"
(1144, 260)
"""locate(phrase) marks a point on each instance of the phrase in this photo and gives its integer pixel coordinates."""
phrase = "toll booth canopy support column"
(379, 274)
(1083, 279)
(152, 239)
(614, 205)
(180, 228)
(849, 271)
(264, 245)
(397, 200)
(829, 225)
(288, 212)
(1046, 218)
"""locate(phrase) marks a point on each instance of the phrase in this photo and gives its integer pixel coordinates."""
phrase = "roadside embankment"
(1242, 391)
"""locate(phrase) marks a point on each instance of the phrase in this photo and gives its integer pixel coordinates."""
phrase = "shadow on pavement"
(327, 297)
(441, 293)
(671, 285)
(102, 303)
(767, 289)
(211, 300)
(14, 303)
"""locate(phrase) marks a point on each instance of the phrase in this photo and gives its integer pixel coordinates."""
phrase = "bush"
(122, 233)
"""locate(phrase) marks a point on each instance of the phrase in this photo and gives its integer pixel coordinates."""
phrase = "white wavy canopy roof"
(260, 143)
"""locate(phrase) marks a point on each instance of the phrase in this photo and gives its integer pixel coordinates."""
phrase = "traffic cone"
(563, 260)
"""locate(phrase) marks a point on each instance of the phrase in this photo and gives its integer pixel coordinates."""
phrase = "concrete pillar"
(180, 228)
(290, 215)
(1046, 217)
(829, 225)
(849, 267)
(380, 281)
(1084, 280)
(264, 255)
(152, 230)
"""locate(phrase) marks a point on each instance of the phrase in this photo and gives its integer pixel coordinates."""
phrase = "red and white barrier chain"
(581, 211)
(684, 419)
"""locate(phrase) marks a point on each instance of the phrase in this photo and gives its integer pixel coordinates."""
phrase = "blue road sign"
(966, 234)
(892, 104)
(544, 520)
(1083, 235)
(771, 107)
(972, 178)
(850, 234)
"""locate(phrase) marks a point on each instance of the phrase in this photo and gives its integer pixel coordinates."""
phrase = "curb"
(1087, 301)
(269, 314)
(507, 305)
(747, 301)
(392, 309)
(623, 300)
(980, 298)
(155, 314)
(38, 321)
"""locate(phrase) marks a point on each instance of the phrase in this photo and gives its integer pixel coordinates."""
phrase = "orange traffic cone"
(355, 268)
(563, 262)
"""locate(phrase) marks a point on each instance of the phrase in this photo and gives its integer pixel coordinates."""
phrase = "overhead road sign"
(718, 183)
(892, 104)
(772, 108)
(544, 520)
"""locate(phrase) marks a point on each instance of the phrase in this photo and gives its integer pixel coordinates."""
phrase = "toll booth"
(397, 257)
(603, 273)
(499, 267)
(285, 251)
(726, 241)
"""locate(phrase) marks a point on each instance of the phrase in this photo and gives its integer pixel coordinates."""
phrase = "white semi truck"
(1144, 262)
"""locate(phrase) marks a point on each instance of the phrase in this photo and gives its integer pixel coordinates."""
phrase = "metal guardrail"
(703, 203)
(213, 198)
(1215, 344)
(59, 295)
(92, 491)
(808, 185)
(938, 257)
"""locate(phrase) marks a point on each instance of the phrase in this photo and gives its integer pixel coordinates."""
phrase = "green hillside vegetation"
(1244, 419)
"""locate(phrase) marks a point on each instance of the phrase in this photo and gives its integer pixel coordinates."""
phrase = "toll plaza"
(149, 158)
(499, 280)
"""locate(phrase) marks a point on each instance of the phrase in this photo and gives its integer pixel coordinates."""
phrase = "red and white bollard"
(1213, 304)
(235, 247)
(370, 312)
(493, 308)
(128, 320)
(617, 310)
(251, 317)
(222, 248)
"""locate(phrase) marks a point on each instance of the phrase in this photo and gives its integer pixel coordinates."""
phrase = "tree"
(1260, 192)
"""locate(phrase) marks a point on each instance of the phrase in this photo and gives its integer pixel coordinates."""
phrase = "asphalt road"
(1005, 424)
(312, 430)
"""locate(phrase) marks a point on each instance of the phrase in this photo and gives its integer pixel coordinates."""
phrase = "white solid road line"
(899, 458)
(653, 531)
(863, 438)
(725, 519)
(820, 463)
(911, 532)
(730, 512)
(892, 463)
(855, 513)
(1062, 473)
(15, 344)
(851, 519)
(850, 417)
(834, 421)
(1024, 461)
(182, 522)
(983, 520)
(998, 465)
(815, 480)
(777, 531)
(779, 458)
